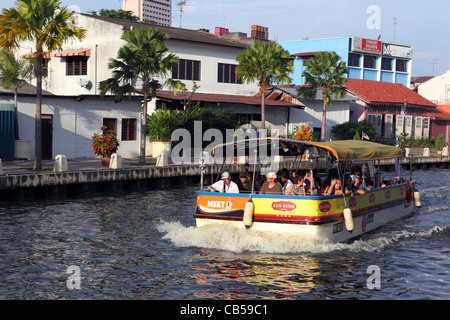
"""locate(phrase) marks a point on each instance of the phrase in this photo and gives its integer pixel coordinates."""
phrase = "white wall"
(337, 113)
(103, 39)
(74, 123)
(437, 89)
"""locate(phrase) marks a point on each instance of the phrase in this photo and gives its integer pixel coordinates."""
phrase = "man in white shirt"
(224, 185)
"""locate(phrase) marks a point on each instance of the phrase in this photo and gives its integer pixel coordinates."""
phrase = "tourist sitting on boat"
(297, 188)
(285, 181)
(244, 183)
(334, 187)
(271, 186)
(307, 181)
(224, 185)
(352, 186)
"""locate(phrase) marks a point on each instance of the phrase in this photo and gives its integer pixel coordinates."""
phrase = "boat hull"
(315, 217)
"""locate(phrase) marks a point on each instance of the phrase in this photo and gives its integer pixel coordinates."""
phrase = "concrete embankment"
(87, 177)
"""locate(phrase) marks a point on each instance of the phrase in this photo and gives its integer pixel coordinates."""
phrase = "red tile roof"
(378, 92)
(442, 112)
(227, 98)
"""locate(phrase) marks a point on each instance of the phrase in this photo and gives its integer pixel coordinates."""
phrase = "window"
(128, 129)
(186, 70)
(370, 62)
(400, 65)
(110, 124)
(353, 60)
(226, 73)
(76, 66)
(386, 64)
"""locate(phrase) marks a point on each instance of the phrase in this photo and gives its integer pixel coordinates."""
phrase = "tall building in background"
(159, 11)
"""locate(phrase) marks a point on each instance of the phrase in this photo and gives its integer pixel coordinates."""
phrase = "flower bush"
(105, 144)
(303, 133)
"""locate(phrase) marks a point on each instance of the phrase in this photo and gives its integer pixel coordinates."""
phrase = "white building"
(159, 11)
(74, 74)
(437, 89)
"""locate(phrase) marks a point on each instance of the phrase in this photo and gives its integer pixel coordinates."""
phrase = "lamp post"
(403, 111)
(184, 93)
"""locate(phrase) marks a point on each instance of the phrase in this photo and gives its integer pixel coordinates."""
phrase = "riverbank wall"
(30, 186)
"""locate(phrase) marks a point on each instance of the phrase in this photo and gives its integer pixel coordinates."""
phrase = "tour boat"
(337, 218)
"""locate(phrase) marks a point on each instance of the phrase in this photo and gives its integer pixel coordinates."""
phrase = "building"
(77, 111)
(311, 114)
(392, 108)
(159, 11)
(366, 59)
(258, 34)
(437, 89)
(440, 122)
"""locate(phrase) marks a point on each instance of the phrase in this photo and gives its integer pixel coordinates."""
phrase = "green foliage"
(356, 136)
(325, 71)
(118, 14)
(440, 141)
(162, 123)
(265, 63)
(347, 130)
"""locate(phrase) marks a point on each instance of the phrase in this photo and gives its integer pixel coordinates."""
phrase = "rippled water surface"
(144, 245)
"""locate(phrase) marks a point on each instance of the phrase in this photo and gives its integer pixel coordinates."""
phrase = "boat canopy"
(342, 150)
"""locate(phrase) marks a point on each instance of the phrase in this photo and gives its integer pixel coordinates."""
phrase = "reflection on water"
(144, 246)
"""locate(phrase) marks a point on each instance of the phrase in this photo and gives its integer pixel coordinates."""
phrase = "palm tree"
(143, 56)
(266, 63)
(47, 25)
(13, 73)
(324, 71)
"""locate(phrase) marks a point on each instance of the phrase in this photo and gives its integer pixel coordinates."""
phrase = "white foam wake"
(229, 238)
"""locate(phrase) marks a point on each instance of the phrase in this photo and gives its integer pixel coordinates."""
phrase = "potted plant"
(160, 126)
(104, 145)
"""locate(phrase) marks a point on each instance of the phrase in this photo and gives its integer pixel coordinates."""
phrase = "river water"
(144, 245)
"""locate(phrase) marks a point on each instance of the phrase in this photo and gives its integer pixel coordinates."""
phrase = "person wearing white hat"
(271, 186)
(224, 185)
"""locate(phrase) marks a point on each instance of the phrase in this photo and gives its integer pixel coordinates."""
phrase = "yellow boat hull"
(318, 217)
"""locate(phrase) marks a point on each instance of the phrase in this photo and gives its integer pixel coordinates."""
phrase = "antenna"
(434, 62)
(181, 4)
(395, 25)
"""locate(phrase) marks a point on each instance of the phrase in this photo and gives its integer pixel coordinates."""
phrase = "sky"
(421, 24)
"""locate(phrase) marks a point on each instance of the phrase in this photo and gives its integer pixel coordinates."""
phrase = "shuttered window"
(76, 66)
(226, 73)
(186, 70)
(128, 129)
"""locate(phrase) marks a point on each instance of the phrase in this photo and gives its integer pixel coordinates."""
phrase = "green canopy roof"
(344, 150)
(360, 150)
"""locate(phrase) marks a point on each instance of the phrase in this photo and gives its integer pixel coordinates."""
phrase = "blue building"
(366, 59)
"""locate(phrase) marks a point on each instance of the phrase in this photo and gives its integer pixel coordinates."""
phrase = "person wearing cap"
(224, 185)
(271, 186)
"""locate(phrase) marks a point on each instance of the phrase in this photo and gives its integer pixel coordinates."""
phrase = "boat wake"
(229, 238)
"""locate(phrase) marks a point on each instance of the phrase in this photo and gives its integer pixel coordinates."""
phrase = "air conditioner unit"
(85, 83)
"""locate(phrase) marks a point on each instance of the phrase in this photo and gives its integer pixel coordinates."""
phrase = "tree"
(324, 71)
(118, 14)
(47, 25)
(143, 56)
(266, 63)
(13, 73)
(347, 130)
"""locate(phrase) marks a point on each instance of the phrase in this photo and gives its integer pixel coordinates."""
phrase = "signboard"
(366, 45)
(393, 50)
